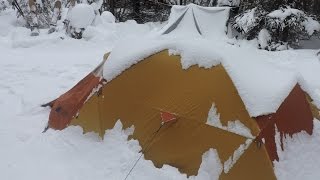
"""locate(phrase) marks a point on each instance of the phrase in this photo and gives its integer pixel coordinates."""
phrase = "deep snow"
(35, 70)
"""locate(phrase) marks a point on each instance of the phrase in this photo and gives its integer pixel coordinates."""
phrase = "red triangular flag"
(167, 117)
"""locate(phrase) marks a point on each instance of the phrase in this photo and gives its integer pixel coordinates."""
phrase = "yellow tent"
(179, 114)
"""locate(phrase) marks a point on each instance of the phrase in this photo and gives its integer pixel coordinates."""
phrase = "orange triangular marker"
(167, 117)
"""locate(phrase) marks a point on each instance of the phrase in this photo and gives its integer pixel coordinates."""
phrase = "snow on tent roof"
(261, 84)
(196, 21)
(253, 77)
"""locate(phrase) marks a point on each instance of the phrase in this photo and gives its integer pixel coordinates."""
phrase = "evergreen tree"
(287, 21)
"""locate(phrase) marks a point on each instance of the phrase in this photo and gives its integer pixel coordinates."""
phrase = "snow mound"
(81, 16)
(108, 17)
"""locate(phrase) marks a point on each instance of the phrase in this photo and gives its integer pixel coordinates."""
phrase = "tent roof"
(250, 70)
(262, 79)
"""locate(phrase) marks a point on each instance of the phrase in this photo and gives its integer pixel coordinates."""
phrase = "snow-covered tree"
(285, 24)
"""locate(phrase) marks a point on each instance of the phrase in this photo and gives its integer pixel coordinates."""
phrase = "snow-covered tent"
(184, 97)
(197, 21)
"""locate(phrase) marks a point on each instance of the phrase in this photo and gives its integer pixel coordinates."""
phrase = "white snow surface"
(300, 158)
(35, 70)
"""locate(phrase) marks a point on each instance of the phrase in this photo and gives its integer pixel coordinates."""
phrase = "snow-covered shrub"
(43, 11)
(285, 25)
(250, 22)
(3, 5)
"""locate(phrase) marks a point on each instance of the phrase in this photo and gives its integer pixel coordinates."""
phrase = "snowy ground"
(35, 70)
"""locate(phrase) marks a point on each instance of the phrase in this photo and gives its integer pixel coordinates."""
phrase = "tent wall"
(253, 164)
(139, 95)
(293, 116)
(66, 107)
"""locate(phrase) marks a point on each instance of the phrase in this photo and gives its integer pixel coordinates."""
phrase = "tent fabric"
(197, 21)
(159, 84)
(66, 107)
(293, 116)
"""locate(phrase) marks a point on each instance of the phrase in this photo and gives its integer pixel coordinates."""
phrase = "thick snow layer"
(251, 73)
(233, 126)
(211, 166)
(81, 16)
(136, 50)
